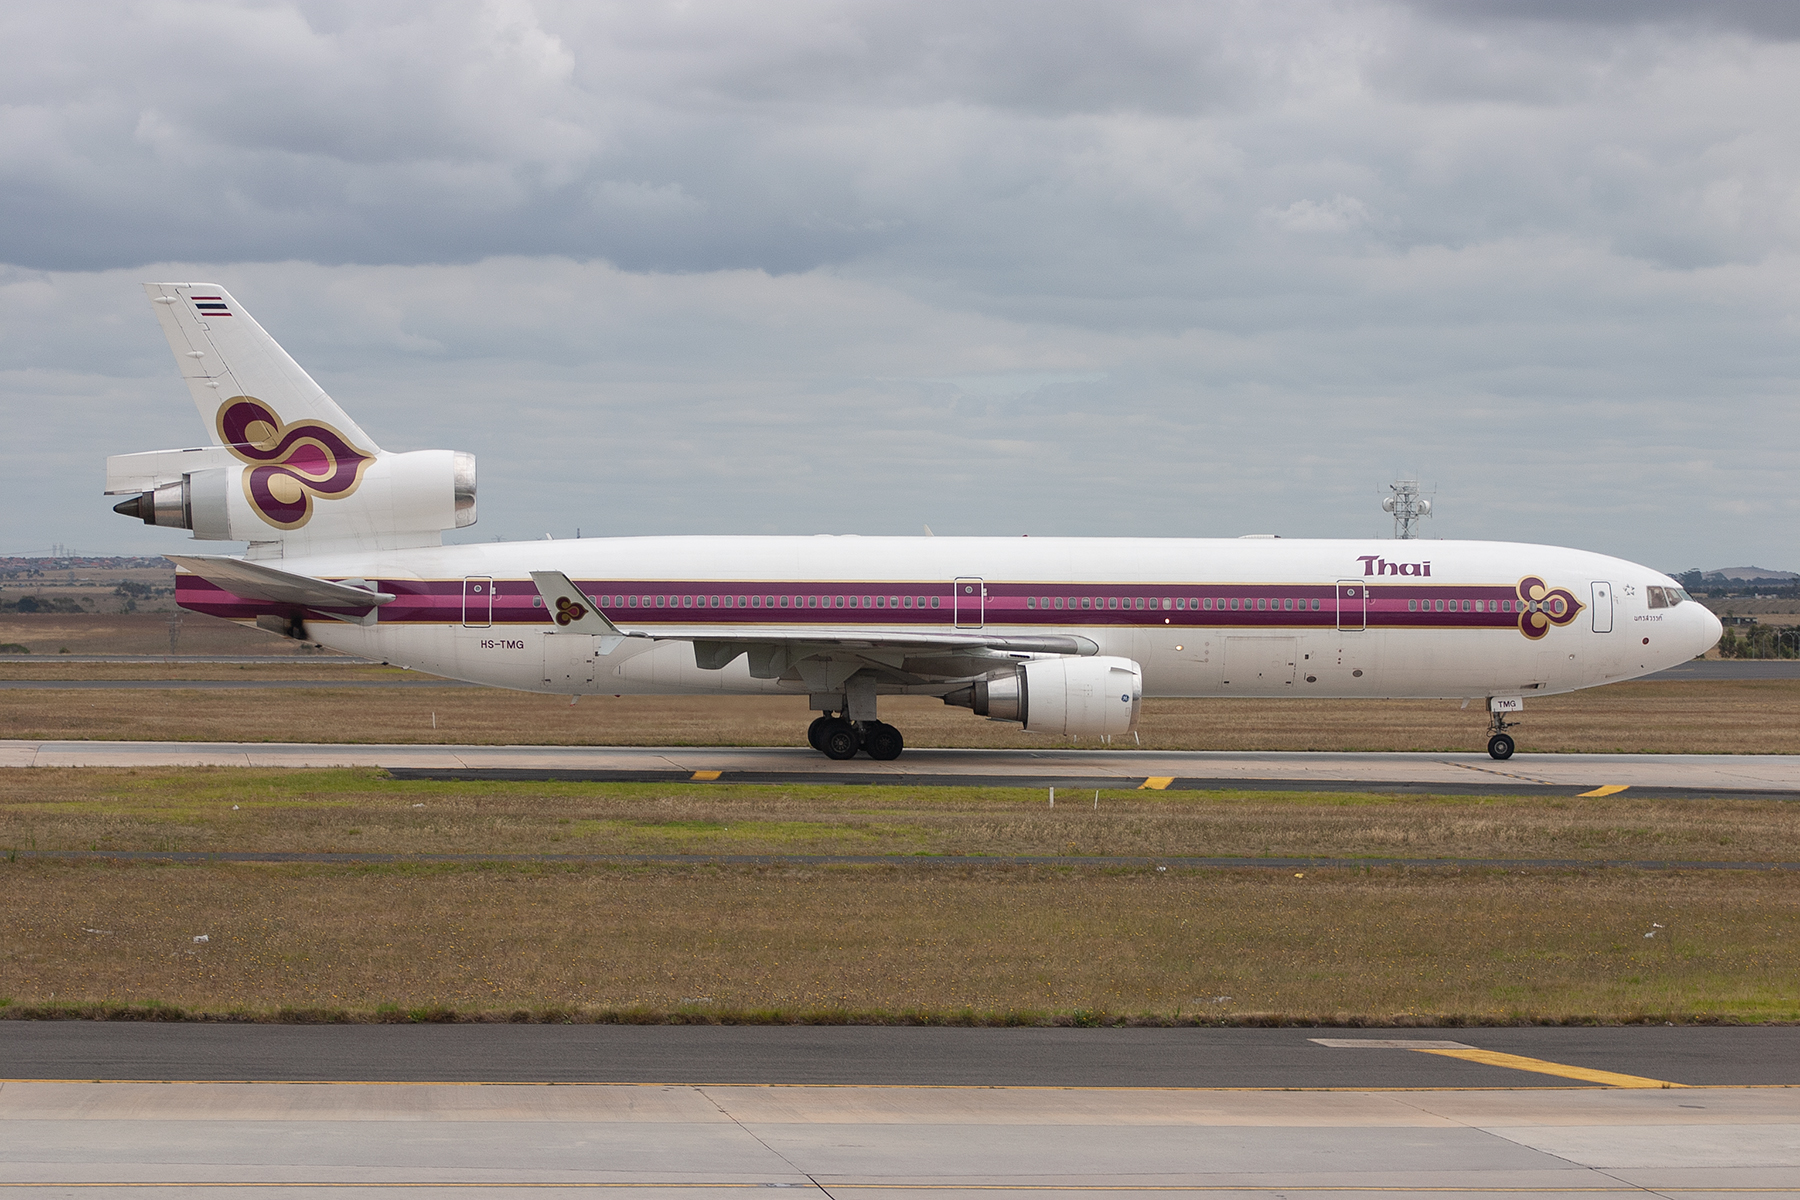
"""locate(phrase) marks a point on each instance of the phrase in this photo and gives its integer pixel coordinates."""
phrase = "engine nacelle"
(1081, 696)
(396, 496)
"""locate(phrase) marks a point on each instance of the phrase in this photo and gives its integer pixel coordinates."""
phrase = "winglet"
(571, 611)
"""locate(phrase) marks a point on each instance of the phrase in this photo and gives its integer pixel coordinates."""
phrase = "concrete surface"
(1095, 768)
(352, 1140)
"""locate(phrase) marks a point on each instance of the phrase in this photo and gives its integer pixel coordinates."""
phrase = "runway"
(897, 1056)
(1764, 775)
(848, 1112)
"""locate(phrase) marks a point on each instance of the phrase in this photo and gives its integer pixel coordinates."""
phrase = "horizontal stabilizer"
(126, 473)
(257, 581)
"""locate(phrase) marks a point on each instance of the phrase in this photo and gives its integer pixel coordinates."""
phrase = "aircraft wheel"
(839, 740)
(883, 742)
(815, 731)
(1500, 746)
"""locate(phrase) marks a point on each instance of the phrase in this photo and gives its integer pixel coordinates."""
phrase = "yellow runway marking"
(1608, 789)
(1518, 1062)
(1156, 783)
(707, 774)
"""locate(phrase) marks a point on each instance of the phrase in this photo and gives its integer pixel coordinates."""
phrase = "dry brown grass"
(1710, 717)
(1021, 944)
(361, 810)
(317, 667)
(137, 633)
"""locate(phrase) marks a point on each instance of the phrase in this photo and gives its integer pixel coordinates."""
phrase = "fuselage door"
(478, 601)
(1352, 604)
(1603, 606)
(969, 602)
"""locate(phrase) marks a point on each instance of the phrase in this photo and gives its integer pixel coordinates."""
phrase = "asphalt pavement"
(887, 1055)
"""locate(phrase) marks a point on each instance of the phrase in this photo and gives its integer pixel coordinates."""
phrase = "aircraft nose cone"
(1711, 630)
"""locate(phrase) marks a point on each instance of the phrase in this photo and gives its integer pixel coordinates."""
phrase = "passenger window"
(812, 602)
(1209, 600)
(1412, 606)
(1234, 604)
(1287, 605)
(909, 602)
(881, 602)
(1465, 606)
(1085, 603)
(1031, 602)
(1439, 606)
(1262, 602)
(784, 602)
(934, 601)
(840, 602)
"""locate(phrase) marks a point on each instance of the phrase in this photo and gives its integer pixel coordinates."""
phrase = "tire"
(1500, 746)
(884, 743)
(839, 741)
(815, 730)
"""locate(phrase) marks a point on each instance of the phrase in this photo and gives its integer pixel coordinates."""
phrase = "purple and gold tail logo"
(567, 610)
(290, 465)
(1542, 606)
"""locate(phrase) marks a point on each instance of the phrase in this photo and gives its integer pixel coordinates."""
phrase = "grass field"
(1710, 717)
(894, 942)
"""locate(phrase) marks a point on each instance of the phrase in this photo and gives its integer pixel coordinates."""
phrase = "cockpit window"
(1658, 599)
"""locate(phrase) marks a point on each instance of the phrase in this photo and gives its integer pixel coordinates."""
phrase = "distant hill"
(1749, 575)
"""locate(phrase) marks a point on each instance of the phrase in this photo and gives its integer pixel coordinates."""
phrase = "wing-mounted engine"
(315, 494)
(1082, 696)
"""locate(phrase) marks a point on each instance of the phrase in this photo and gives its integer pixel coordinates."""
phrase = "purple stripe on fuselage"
(639, 602)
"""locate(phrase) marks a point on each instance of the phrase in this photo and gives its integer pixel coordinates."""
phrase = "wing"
(821, 658)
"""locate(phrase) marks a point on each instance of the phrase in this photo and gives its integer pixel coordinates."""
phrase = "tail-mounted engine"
(1081, 696)
(391, 499)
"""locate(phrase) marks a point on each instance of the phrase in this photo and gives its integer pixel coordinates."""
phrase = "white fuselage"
(1202, 617)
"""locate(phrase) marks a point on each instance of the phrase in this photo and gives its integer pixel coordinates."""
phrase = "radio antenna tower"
(1408, 507)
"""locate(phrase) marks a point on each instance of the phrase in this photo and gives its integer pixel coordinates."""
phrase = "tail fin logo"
(290, 465)
(1543, 606)
(567, 610)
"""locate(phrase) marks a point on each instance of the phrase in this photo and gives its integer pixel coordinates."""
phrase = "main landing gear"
(841, 739)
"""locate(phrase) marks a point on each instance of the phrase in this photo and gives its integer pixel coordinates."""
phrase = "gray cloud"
(1160, 268)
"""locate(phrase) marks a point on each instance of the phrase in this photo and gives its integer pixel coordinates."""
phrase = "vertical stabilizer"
(224, 355)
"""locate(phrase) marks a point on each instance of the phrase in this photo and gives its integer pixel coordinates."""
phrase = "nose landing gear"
(1500, 742)
(840, 739)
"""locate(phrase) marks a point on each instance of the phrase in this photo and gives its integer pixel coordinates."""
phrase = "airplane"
(1060, 636)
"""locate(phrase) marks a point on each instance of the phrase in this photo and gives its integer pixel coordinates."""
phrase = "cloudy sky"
(1047, 268)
